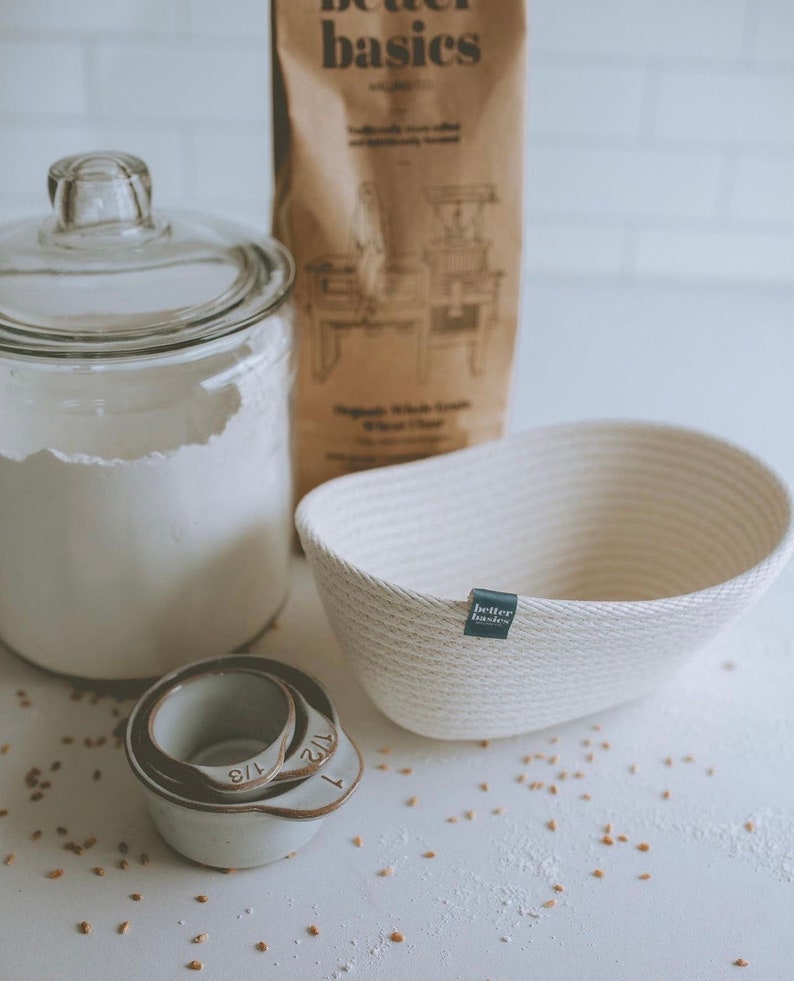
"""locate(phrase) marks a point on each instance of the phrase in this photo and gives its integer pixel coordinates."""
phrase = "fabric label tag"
(490, 613)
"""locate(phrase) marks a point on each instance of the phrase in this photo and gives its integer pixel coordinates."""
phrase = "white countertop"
(717, 360)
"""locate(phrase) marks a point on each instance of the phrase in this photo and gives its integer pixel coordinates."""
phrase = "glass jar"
(145, 479)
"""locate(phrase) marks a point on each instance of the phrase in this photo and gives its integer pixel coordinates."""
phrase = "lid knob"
(101, 193)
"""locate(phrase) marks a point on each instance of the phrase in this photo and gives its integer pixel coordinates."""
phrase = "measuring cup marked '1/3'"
(227, 729)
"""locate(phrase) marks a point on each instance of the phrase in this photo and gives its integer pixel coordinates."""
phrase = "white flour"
(153, 529)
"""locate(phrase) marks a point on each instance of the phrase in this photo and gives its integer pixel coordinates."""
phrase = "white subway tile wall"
(661, 132)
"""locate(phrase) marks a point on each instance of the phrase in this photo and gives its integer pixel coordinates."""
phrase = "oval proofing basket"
(630, 545)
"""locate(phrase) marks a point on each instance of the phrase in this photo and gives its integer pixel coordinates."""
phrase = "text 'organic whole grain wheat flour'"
(399, 130)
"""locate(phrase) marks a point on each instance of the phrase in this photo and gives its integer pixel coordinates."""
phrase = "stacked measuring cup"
(241, 759)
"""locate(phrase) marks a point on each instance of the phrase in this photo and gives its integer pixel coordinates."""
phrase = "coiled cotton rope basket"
(630, 545)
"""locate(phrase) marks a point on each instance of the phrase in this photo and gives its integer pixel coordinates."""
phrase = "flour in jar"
(147, 522)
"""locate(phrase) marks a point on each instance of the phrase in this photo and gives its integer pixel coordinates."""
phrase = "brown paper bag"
(399, 132)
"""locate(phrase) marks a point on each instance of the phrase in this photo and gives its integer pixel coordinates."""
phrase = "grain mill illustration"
(446, 295)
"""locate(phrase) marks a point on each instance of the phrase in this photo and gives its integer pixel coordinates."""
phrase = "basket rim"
(770, 563)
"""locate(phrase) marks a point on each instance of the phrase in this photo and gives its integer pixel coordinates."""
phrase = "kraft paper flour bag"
(399, 138)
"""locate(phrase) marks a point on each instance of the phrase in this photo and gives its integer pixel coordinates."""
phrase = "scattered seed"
(89, 842)
(386, 872)
(549, 903)
(729, 665)
(587, 742)
(60, 830)
(645, 875)
(261, 945)
(385, 750)
(195, 965)
(551, 825)
(711, 771)
(643, 847)
(526, 759)
(97, 774)
(397, 937)
(606, 745)
(452, 820)
(123, 847)
(35, 836)
(55, 874)
(562, 775)
(5, 748)
(200, 938)
(598, 873)
(85, 926)
(484, 786)
(558, 888)
(578, 775)
(596, 727)
(607, 840)
(741, 962)
(540, 756)
(67, 740)
(634, 768)
(9, 859)
(622, 838)
(689, 758)
(485, 743)
(554, 760)
(406, 770)
(314, 930)
(428, 854)
(554, 739)
(668, 761)
(136, 897)
(37, 795)
(537, 785)
(585, 797)
(123, 927)
(521, 778)
(98, 870)
(499, 810)
(553, 789)
(3, 812)
(469, 815)
(124, 864)
(412, 802)
(665, 795)
(590, 757)
(144, 858)
(358, 841)
(384, 766)
(202, 898)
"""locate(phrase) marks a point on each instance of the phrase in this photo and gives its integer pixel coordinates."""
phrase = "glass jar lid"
(106, 277)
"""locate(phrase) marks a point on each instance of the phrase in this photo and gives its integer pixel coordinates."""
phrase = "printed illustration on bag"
(446, 295)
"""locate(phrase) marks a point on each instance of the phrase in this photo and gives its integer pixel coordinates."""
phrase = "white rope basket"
(630, 545)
